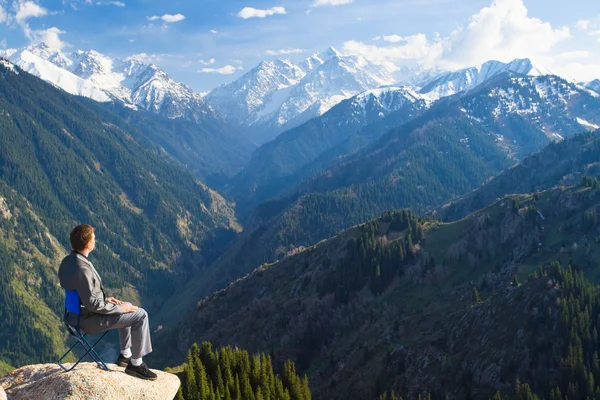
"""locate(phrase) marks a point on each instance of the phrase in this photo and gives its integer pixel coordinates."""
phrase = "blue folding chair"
(73, 306)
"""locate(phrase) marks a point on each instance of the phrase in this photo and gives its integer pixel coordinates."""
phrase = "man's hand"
(114, 301)
(128, 307)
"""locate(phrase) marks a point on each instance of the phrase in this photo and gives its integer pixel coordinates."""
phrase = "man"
(98, 313)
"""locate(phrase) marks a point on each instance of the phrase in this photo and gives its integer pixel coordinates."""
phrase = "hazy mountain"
(189, 131)
(449, 83)
(594, 85)
(279, 95)
(283, 163)
(104, 79)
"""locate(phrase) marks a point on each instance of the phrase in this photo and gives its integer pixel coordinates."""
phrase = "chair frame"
(80, 336)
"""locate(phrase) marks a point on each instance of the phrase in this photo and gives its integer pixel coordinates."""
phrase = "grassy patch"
(5, 369)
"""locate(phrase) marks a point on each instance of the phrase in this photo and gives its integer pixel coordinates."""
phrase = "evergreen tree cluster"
(572, 329)
(590, 182)
(232, 374)
(370, 259)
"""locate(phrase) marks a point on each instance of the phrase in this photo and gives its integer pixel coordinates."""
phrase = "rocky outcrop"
(86, 381)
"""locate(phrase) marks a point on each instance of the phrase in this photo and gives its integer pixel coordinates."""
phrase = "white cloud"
(209, 62)
(226, 70)
(3, 43)
(213, 31)
(393, 38)
(173, 18)
(29, 9)
(578, 71)
(111, 3)
(571, 55)
(376, 38)
(50, 36)
(415, 48)
(502, 31)
(3, 15)
(146, 58)
(320, 3)
(168, 18)
(283, 52)
(250, 12)
(583, 24)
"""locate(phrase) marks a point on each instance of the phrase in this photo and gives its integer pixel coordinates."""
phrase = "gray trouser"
(134, 329)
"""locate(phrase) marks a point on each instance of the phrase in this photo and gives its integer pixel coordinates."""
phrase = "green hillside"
(62, 164)
(390, 305)
(420, 166)
(560, 163)
(211, 149)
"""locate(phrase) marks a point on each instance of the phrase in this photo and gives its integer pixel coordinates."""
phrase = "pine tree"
(475, 298)
(191, 388)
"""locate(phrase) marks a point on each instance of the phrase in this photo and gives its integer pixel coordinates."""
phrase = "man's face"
(92, 243)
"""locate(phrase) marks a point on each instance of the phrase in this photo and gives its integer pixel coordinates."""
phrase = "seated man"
(99, 313)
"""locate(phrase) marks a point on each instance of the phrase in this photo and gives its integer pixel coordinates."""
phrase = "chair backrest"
(72, 303)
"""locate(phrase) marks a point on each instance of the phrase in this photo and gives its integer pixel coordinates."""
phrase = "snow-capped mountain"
(101, 78)
(594, 85)
(523, 105)
(374, 104)
(450, 83)
(279, 95)
(243, 100)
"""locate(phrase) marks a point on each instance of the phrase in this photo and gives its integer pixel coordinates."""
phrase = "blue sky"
(205, 43)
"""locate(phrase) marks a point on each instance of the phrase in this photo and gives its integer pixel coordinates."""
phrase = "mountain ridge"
(101, 78)
(290, 94)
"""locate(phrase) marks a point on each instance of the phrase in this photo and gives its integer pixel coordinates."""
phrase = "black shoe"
(141, 372)
(122, 361)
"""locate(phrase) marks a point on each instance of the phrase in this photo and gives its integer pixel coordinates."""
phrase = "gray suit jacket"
(76, 272)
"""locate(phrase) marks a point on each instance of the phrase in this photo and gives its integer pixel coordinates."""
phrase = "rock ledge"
(86, 381)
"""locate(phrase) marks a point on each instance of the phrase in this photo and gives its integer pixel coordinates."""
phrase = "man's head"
(83, 238)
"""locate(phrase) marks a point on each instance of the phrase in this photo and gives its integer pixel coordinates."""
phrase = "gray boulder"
(86, 381)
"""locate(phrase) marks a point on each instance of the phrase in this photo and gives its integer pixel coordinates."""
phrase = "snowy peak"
(243, 100)
(450, 83)
(378, 103)
(551, 104)
(101, 78)
(525, 67)
(8, 66)
(338, 78)
(594, 85)
(280, 94)
(329, 53)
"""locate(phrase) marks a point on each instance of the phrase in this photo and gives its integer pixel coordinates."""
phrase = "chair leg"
(89, 350)
(94, 354)
(64, 355)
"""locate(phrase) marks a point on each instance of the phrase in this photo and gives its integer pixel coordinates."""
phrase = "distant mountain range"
(280, 95)
(271, 98)
(174, 119)
(101, 78)
(522, 112)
